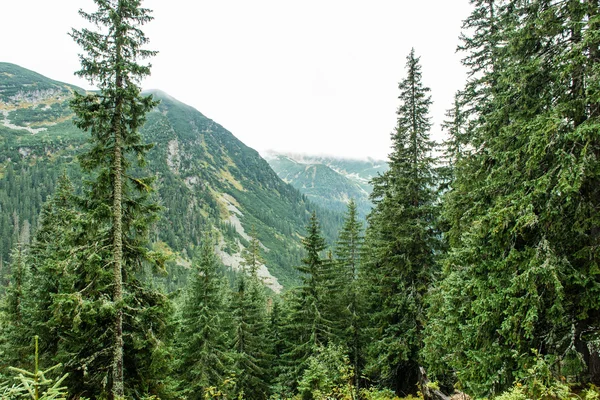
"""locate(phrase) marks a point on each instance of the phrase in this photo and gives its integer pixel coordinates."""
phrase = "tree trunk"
(118, 389)
(428, 392)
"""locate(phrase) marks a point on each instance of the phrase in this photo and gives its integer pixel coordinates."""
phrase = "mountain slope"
(328, 181)
(206, 178)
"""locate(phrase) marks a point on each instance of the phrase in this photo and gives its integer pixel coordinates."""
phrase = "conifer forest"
(475, 274)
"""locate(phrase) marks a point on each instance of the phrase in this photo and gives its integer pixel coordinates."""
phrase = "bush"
(329, 375)
(540, 383)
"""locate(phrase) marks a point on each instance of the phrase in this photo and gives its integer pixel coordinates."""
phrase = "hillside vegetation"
(148, 254)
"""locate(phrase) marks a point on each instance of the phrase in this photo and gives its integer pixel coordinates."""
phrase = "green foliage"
(190, 154)
(252, 349)
(539, 382)
(15, 309)
(34, 385)
(307, 324)
(329, 182)
(520, 209)
(34, 115)
(204, 358)
(519, 253)
(316, 272)
(402, 240)
(24, 86)
(119, 210)
(379, 394)
(252, 257)
(349, 307)
(329, 374)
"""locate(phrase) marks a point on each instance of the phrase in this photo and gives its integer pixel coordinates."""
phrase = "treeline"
(478, 264)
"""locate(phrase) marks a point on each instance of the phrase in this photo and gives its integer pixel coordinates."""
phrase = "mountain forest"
(146, 253)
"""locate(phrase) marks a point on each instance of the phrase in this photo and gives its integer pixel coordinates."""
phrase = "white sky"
(313, 76)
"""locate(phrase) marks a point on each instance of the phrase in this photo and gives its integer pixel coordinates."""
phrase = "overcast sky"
(313, 76)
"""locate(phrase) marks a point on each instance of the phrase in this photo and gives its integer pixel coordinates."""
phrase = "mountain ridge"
(203, 175)
(329, 181)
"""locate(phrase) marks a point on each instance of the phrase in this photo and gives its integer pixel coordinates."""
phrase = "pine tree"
(251, 255)
(251, 345)
(113, 116)
(519, 274)
(203, 341)
(50, 253)
(315, 277)
(307, 327)
(252, 349)
(15, 339)
(351, 315)
(402, 239)
(275, 333)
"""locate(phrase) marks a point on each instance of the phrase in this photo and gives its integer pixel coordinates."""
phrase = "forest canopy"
(476, 273)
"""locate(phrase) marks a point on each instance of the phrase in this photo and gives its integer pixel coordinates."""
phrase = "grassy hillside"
(206, 178)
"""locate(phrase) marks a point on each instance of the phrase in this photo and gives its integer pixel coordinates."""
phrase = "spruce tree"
(351, 316)
(307, 328)
(118, 210)
(520, 271)
(251, 345)
(483, 58)
(203, 340)
(15, 335)
(403, 239)
(314, 280)
(277, 340)
(251, 255)
(50, 253)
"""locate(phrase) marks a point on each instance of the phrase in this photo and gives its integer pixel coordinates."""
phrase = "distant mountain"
(206, 178)
(329, 181)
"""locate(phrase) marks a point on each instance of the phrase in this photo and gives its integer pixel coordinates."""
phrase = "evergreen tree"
(252, 349)
(50, 253)
(455, 146)
(351, 315)
(315, 280)
(17, 288)
(15, 339)
(118, 211)
(402, 239)
(251, 346)
(483, 50)
(251, 255)
(277, 315)
(203, 340)
(307, 327)
(519, 274)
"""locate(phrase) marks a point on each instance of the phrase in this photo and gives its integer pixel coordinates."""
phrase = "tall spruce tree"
(277, 340)
(307, 326)
(251, 345)
(203, 341)
(351, 315)
(402, 239)
(50, 257)
(117, 203)
(520, 271)
(316, 273)
(15, 339)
